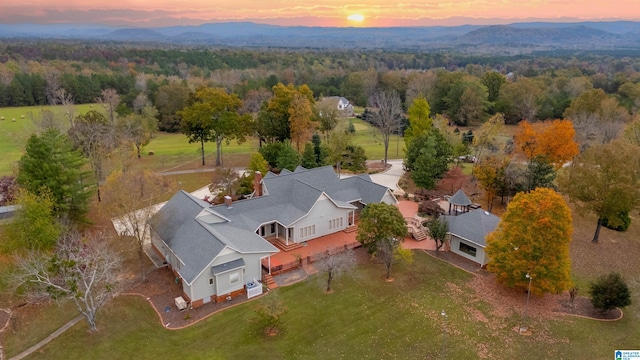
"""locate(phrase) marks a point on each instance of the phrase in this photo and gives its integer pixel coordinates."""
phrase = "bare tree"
(61, 97)
(225, 181)
(83, 270)
(110, 99)
(387, 115)
(129, 199)
(52, 80)
(96, 138)
(336, 265)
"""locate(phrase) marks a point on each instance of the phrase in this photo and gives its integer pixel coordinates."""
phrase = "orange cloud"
(308, 12)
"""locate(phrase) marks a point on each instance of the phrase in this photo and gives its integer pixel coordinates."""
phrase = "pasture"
(14, 134)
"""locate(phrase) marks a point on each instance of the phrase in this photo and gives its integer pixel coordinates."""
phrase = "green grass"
(26, 328)
(364, 318)
(14, 134)
(371, 140)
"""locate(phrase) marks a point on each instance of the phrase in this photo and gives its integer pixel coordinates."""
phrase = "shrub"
(609, 291)
(623, 220)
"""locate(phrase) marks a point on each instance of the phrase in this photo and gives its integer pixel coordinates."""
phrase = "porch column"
(287, 236)
(277, 228)
(269, 264)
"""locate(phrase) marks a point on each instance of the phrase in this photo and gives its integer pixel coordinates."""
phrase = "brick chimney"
(227, 201)
(257, 187)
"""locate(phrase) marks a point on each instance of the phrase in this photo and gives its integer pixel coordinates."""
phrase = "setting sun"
(355, 17)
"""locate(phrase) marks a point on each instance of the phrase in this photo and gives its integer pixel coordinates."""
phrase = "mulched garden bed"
(161, 290)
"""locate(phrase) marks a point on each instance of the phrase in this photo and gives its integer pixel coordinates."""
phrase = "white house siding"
(455, 247)
(168, 255)
(389, 199)
(252, 270)
(318, 219)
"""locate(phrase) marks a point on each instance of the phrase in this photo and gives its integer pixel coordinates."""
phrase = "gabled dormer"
(209, 216)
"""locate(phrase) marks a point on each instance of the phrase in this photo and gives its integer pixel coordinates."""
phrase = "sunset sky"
(368, 13)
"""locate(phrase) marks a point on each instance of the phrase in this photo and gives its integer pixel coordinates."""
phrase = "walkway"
(46, 340)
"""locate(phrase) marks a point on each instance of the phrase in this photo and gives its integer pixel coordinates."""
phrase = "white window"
(234, 278)
(307, 231)
(336, 223)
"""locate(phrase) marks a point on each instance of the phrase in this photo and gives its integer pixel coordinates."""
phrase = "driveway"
(391, 176)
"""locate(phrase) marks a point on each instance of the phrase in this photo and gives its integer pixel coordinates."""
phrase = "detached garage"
(467, 232)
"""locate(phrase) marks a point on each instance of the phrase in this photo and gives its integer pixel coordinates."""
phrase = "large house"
(467, 233)
(217, 251)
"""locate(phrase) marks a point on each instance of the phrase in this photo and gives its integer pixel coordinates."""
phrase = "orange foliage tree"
(552, 140)
(533, 238)
(490, 173)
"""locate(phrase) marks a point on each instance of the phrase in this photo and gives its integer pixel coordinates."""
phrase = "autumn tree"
(337, 145)
(328, 116)
(213, 116)
(387, 115)
(467, 102)
(8, 189)
(420, 122)
(596, 117)
(130, 199)
(533, 238)
(486, 137)
(139, 127)
(258, 163)
(34, 226)
(50, 164)
(381, 231)
(335, 265)
(274, 118)
(520, 100)
(83, 269)
(300, 120)
(551, 140)
(632, 132)
(490, 174)
(170, 99)
(604, 180)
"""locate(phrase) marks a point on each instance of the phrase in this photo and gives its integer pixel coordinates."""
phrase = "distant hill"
(533, 35)
(570, 36)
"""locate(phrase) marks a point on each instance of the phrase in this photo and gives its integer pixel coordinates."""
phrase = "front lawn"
(364, 318)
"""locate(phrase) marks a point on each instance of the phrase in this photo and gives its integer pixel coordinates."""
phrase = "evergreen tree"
(51, 165)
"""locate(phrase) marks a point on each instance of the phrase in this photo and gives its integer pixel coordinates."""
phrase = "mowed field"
(14, 134)
(171, 151)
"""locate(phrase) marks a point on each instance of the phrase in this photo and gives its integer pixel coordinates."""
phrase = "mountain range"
(588, 35)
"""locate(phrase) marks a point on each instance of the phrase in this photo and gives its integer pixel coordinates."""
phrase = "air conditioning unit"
(180, 303)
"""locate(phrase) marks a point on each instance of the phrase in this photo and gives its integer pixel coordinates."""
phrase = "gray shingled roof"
(460, 198)
(289, 197)
(195, 242)
(474, 225)
(228, 266)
